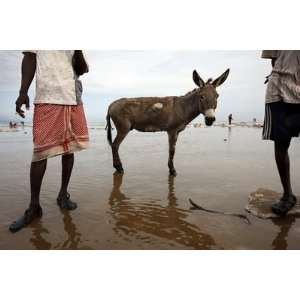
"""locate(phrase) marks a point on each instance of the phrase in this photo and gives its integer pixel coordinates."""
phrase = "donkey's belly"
(149, 123)
(149, 128)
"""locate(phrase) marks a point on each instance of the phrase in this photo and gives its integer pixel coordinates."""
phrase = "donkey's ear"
(197, 79)
(221, 79)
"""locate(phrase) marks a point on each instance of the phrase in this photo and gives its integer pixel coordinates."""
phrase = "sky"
(116, 74)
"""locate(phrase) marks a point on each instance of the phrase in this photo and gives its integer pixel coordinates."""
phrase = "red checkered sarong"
(58, 129)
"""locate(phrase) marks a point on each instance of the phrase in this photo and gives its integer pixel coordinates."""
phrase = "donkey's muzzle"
(209, 121)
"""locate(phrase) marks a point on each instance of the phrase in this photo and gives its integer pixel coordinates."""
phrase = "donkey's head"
(207, 95)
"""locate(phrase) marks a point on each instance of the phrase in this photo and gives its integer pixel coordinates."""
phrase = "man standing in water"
(59, 124)
(282, 116)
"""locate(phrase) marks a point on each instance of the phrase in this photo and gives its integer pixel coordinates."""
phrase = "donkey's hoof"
(119, 169)
(173, 172)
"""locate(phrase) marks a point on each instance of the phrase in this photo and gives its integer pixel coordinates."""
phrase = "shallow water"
(145, 208)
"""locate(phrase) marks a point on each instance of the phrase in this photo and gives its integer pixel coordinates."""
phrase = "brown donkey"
(171, 114)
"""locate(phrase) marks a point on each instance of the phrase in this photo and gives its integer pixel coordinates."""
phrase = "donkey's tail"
(108, 129)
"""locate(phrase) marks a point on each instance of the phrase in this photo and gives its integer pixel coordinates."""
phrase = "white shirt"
(284, 81)
(56, 81)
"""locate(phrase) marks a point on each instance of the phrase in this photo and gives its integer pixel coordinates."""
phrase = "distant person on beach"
(230, 119)
(282, 116)
(59, 124)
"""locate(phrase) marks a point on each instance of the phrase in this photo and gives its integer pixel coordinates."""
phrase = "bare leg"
(172, 143)
(67, 162)
(115, 150)
(63, 199)
(283, 166)
(37, 171)
(288, 200)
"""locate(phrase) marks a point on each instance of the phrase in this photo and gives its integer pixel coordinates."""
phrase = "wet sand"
(145, 208)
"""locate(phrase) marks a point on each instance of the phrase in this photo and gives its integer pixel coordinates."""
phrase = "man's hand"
(28, 71)
(23, 99)
(267, 79)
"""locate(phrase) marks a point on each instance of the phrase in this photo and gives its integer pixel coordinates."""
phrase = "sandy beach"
(145, 208)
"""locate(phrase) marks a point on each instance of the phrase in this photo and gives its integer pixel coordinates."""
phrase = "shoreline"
(4, 128)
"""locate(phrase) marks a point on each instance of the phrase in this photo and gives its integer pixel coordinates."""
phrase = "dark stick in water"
(196, 206)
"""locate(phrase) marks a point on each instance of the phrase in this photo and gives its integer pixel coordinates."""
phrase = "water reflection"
(74, 236)
(229, 133)
(72, 241)
(285, 224)
(37, 239)
(144, 219)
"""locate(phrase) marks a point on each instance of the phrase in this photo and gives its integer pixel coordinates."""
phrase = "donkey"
(171, 114)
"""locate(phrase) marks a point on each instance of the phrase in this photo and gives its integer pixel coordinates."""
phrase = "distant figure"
(282, 115)
(230, 119)
(22, 124)
(254, 121)
(11, 124)
(59, 124)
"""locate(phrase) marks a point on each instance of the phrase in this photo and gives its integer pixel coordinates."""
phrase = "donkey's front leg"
(172, 144)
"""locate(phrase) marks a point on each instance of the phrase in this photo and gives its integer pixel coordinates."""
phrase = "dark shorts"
(282, 121)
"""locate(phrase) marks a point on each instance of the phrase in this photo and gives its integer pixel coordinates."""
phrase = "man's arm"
(80, 65)
(28, 71)
(270, 54)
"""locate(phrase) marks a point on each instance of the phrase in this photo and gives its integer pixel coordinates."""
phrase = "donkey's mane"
(190, 92)
(209, 81)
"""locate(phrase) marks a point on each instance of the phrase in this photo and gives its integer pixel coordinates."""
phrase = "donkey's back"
(142, 114)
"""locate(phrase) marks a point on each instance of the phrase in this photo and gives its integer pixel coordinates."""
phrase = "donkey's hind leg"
(115, 151)
(173, 135)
